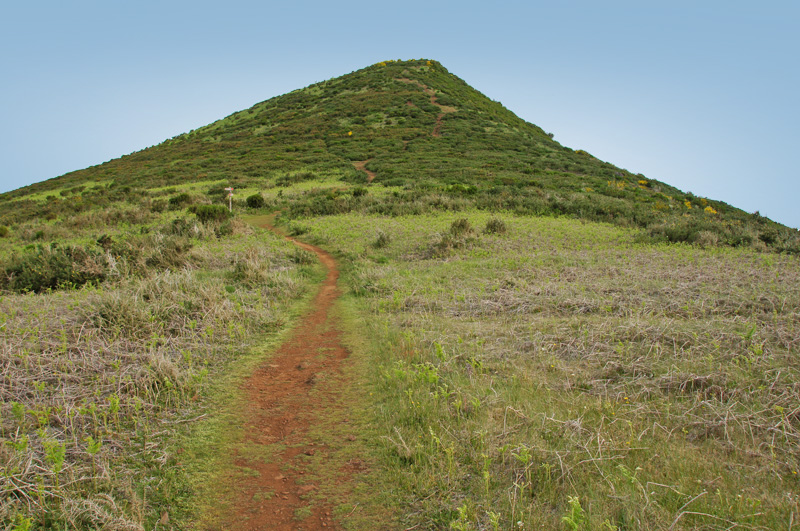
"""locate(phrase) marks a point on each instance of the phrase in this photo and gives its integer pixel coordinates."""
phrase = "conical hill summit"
(414, 126)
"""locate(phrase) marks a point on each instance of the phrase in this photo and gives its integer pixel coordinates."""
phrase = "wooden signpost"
(230, 199)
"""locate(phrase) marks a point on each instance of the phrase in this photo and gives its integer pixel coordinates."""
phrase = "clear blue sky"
(700, 94)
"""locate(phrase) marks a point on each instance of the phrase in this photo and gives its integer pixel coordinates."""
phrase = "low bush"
(290, 179)
(256, 201)
(158, 205)
(495, 226)
(178, 201)
(382, 240)
(460, 227)
(47, 267)
(210, 213)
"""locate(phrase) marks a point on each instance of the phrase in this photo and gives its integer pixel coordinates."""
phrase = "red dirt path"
(284, 402)
(362, 166)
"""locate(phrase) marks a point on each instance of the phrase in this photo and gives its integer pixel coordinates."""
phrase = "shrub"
(706, 238)
(210, 213)
(3, 231)
(177, 201)
(158, 205)
(359, 191)
(382, 240)
(255, 201)
(459, 235)
(460, 227)
(495, 226)
(53, 267)
(290, 179)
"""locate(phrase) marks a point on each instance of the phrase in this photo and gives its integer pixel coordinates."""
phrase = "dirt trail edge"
(361, 165)
(287, 397)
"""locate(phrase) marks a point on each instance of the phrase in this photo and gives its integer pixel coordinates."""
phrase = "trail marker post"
(230, 199)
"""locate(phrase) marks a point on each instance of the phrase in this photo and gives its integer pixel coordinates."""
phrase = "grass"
(546, 371)
(98, 381)
(564, 375)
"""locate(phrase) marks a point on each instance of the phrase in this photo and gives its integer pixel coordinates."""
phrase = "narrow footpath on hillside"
(361, 165)
(444, 109)
(291, 399)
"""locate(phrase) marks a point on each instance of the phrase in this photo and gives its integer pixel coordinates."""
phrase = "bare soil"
(284, 402)
(362, 166)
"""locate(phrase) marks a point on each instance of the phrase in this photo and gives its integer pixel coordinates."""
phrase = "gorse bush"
(382, 240)
(460, 227)
(255, 201)
(292, 178)
(49, 267)
(178, 201)
(459, 235)
(495, 226)
(210, 213)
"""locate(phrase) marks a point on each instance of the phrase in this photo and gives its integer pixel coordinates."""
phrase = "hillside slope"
(417, 127)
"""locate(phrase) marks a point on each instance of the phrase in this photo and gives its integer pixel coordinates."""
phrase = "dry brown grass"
(107, 376)
(658, 385)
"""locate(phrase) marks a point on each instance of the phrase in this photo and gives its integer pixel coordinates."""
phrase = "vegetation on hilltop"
(481, 155)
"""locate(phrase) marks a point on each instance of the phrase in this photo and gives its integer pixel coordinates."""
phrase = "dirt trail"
(362, 166)
(288, 396)
(437, 129)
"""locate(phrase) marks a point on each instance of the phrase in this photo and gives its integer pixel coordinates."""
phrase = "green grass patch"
(562, 373)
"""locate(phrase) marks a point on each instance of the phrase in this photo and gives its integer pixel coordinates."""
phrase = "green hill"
(418, 128)
(536, 339)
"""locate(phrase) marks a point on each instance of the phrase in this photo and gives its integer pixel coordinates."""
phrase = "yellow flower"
(688, 204)
(349, 133)
(710, 210)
